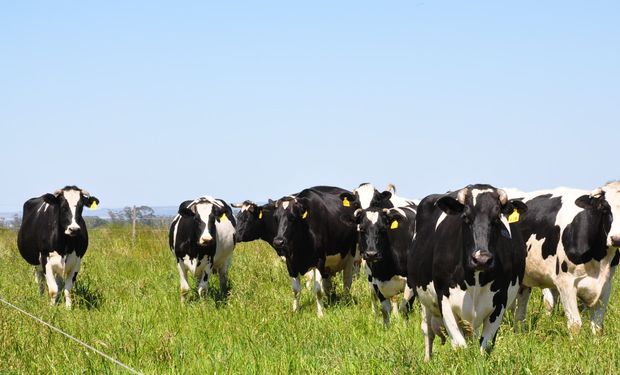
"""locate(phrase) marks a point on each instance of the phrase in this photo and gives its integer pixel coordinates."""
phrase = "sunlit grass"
(127, 305)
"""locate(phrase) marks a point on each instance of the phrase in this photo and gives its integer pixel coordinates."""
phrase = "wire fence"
(80, 342)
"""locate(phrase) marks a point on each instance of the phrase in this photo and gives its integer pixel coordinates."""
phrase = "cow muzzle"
(613, 241)
(279, 242)
(482, 260)
(72, 230)
(204, 241)
(371, 256)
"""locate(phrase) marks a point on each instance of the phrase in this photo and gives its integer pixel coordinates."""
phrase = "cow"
(466, 263)
(256, 222)
(314, 240)
(572, 248)
(202, 239)
(53, 238)
(365, 196)
(384, 239)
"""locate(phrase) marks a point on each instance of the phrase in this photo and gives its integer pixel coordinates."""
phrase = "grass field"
(126, 304)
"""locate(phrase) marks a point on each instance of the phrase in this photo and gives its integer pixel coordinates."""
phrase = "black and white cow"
(572, 248)
(364, 197)
(384, 239)
(314, 240)
(256, 222)
(202, 239)
(466, 264)
(53, 238)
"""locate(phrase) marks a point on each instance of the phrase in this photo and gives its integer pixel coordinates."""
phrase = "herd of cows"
(467, 255)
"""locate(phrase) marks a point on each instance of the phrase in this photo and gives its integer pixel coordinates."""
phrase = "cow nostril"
(482, 258)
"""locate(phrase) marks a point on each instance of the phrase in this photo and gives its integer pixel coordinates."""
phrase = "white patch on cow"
(504, 221)
(225, 233)
(72, 197)
(43, 207)
(175, 222)
(476, 192)
(612, 195)
(391, 287)
(285, 204)
(365, 194)
(372, 216)
(442, 217)
(60, 270)
(245, 207)
(204, 209)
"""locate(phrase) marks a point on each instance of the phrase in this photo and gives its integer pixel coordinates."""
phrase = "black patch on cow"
(557, 266)
(614, 262)
(564, 266)
(585, 238)
(540, 220)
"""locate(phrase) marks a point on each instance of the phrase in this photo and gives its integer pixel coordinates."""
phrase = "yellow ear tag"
(394, 224)
(514, 217)
(260, 214)
(345, 202)
(223, 217)
(93, 206)
(305, 215)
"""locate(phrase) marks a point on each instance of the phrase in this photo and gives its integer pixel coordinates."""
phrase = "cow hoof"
(574, 329)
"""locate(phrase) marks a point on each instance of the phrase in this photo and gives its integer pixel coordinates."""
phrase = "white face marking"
(204, 209)
(72, 197)
(612, 195)
(476, 192)
(441, 218)
(285, 204)
(372, 216)
(365, 193)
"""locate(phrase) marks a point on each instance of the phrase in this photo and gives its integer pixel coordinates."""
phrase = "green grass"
(126, 304)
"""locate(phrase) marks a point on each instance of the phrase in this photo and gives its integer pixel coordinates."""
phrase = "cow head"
(373, 225)
(248, 221)
(483, 210)
(71, 201)
(367, 196)
(612, 195)
(290, 216)
(590, 230)
(205, 211)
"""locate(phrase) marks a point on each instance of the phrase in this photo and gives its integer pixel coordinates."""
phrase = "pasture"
(126, 304)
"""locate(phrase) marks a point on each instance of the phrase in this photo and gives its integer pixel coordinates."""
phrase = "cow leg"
(296, 292)
(203, 283)
(568, 297)
(327, 286)
(489, 330)
(597, 312)
(427, 330)
(183, 280)
(451, 324)
(39, 277)
(385, 306)
(224, 277)
(52, 285)
(549, 298)
(317, 289)
(70, 278)
(347, 275)
(523, 297)
(407, 302)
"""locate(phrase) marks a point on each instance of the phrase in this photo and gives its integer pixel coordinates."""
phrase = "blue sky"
(157, 102)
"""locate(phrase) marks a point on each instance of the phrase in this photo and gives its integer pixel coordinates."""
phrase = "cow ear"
(512, 205)
(91, 202)
(184, 210)
(450, 205)
(50, 198)
(384, 196)
(395, 218)
(585, 201)
(348, 199)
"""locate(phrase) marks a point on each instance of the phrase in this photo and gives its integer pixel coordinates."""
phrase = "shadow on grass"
(86, 295)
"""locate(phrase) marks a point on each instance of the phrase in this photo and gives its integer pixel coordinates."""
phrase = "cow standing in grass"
(256, 222)
(53, 238)
(202, 240)
(572, 243)
(466, 263)
(314, 240)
